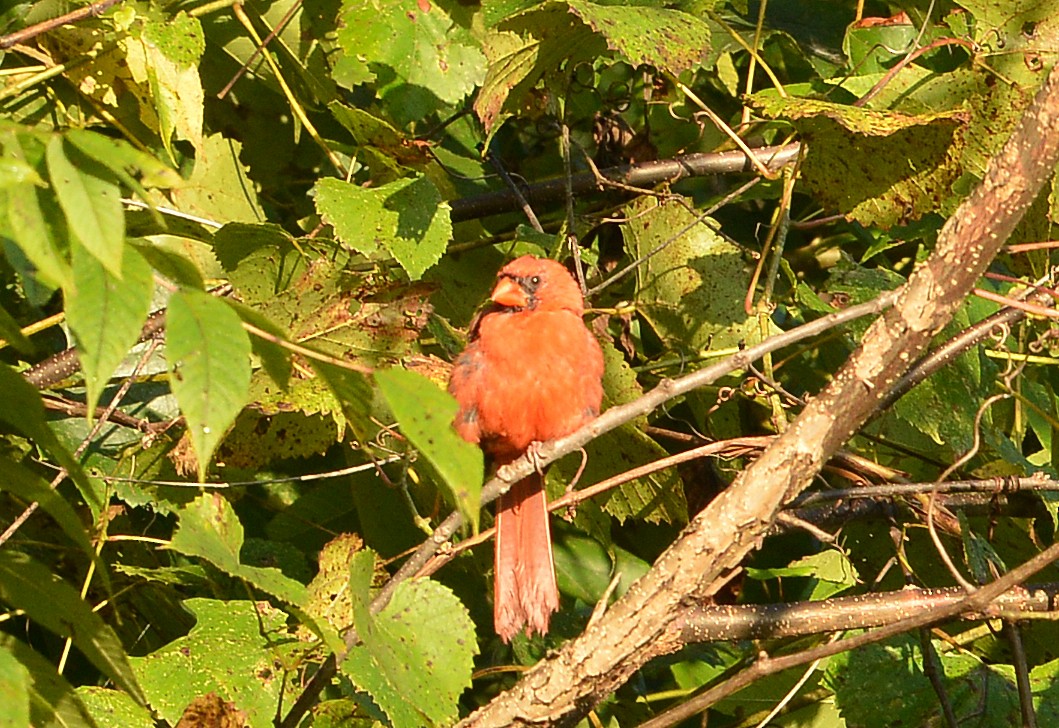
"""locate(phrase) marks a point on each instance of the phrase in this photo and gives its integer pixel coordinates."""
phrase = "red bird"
(532, 372)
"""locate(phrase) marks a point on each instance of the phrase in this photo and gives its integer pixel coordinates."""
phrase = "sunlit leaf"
(209, 363)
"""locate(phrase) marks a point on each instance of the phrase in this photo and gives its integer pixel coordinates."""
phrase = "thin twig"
(935, 674)
(1022, 673)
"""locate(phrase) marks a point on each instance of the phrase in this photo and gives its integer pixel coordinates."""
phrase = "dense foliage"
(265, 228)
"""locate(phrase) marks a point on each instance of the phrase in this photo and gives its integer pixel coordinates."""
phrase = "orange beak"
(509, 293)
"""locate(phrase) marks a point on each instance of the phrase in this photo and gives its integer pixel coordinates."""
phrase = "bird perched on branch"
(532, 372)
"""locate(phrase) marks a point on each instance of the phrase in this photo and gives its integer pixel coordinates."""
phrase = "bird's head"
(537, 284)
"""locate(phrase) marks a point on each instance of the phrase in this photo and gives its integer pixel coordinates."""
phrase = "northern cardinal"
(532, 372)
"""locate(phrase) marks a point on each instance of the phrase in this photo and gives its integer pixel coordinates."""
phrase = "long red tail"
(525, 593)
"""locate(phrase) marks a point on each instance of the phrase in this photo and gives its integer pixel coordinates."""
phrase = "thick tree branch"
(714, 622)
(642, 624)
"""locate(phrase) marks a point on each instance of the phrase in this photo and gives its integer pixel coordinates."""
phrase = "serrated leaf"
(425, 413)
(209, 363)
(52, 701)
(113, 708)
(426, 57)
(14, 691)
(92, 205)
(888, 679)
(665, 38)
(416, 655)
(210, 530)
(656, 497)
(229, 652)
(405, 218)
(28, 585)
(106, 313)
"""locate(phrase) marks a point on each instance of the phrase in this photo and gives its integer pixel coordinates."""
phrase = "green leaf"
(230, 651)
(210, 530)
(209, 363)
(92, 205)
(165, 56)
(425, 415)
(692, 289)
(880, 168)
(14, 691)
(28, 585)
(423, 56)
(11, 332)
(416, 655)
(135, 168)
(584, 568)
(31, 220)
(24, 411)
(405, 218)
(219, 188)
(106, 313)
(668, 39)
(31, 488)
(113, 708)
(888, 679)
(52, 701)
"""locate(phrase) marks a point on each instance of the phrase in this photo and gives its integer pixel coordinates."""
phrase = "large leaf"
(209, 363)
(880, 168)
(416, 655)
(406, 218)
(889, 679)
(219, 188)
(229, 652)
(425, 415)
(29, 585)
(91, 202)
(210, 530)
(418, 55)
(106, 312)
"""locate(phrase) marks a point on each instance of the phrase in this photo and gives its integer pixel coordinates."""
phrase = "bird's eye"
(535, 281)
